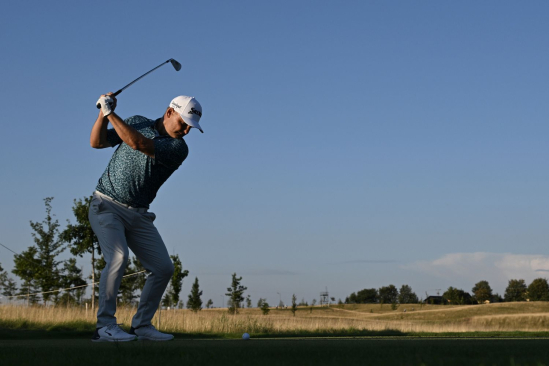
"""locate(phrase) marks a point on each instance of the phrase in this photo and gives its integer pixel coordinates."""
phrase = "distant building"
(435, 300)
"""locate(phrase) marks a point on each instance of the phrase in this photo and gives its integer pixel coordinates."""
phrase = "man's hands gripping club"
(107, 103)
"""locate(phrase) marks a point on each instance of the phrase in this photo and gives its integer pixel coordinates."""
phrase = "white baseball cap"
(189, 109)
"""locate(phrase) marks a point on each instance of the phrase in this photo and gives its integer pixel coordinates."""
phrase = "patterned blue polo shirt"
(132, 177)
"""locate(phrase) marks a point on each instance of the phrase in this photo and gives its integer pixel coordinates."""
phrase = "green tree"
(366, 296)
(265, 307)
(7, 284)
(388, 294)
(457, 296)
(236, 294)
(260, 302)
(209, 304)
(176, 283)
(194, 302)
(81, 238)
(294, 304)
(538, 290)
(482, 291)
(9, 287)
(407, 296)
(49, 246)
(516, 291)
(71, 276)
(26, 267)
(248, 301)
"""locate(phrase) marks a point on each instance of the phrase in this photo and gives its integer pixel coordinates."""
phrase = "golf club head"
(176, 65)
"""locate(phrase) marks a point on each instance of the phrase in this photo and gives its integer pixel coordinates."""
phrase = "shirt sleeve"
(113, 138)
(112, 135)
(170, 152)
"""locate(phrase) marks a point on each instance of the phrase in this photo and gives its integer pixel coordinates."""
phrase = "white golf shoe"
(112, 333)
(149, 333)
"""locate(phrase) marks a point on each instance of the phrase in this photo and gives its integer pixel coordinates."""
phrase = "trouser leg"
(148, 246)
(109, 228)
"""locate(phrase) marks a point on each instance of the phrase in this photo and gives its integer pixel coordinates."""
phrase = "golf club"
(176, 65)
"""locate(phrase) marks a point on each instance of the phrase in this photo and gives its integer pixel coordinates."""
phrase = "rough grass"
(337, 320)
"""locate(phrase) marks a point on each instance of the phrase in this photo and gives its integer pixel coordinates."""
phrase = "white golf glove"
(106, 105)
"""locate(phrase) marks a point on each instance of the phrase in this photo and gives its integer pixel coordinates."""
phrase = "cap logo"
(177, 105)
(194, 111)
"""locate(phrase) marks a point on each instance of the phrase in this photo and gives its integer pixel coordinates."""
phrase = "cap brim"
(193, 124)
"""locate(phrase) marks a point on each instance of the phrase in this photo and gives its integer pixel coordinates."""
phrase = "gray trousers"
(118, 228)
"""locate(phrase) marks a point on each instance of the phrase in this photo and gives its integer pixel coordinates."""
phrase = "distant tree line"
(516, 290)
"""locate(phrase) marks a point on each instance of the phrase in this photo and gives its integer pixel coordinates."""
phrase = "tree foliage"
(482, 291)
(49, 246)
(407, 296)
(176, 282)
(538, 290)
(516, 291)
(457, 296)
(71, 276)
(366, 296)
(388, 294)
(8, 287)
(294, 304)
(236, 294)
(80, 236)
(194, 302)
(265, 307)
(26, 267)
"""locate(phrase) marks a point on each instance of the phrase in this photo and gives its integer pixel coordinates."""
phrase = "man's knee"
(118, 260)
(167, 270)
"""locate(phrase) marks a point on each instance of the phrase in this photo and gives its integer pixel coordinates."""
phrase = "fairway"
(296, 351)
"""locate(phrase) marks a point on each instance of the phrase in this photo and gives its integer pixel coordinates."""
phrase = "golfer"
(147, 153)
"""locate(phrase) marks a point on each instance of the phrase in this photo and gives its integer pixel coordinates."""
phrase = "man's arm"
(98, 136)
(131, 136)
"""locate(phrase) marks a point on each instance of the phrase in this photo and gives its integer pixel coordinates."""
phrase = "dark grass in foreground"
(279, 352)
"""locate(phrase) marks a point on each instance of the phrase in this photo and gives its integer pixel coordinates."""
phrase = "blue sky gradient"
(347, 144)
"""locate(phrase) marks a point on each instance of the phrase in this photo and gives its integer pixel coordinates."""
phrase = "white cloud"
(496, 268)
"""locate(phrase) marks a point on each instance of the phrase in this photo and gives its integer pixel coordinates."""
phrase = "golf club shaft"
(142, 76)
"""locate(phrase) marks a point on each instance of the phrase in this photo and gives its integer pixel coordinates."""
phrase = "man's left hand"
(108, 104)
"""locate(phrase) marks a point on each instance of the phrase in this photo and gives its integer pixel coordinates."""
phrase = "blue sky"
(347, 144)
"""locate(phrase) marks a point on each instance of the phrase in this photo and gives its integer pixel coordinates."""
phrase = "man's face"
(174, 124)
